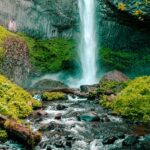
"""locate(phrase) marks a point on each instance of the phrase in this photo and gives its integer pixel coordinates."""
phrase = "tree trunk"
(20, 132)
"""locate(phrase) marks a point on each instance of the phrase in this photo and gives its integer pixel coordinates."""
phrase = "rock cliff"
(40, 18)
(124, 25)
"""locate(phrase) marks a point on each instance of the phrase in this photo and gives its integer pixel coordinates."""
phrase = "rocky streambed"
(80, 124)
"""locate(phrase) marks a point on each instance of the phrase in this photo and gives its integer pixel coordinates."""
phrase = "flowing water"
(74, 129)
(72, 133)
(88, 43)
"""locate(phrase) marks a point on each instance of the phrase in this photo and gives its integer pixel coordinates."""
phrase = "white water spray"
(88, 43)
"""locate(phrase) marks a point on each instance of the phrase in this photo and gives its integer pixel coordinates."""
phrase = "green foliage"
(113, 86)
(3, 135)
(53, 55)
(134, 100)
(123, 60)
(49, 96)
(14, 101)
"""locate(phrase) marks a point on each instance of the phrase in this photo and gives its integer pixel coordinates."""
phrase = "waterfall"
(88, 45)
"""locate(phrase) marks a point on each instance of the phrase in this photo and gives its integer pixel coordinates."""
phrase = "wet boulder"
(59, 144)
(58, 116)
(130, 141)
(88, 88)
(47, 84)
(50, 126)
(89, 117)
(39, 113)
(60, 107)
(109, 140)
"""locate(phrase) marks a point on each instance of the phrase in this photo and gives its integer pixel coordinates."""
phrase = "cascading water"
(88, 43)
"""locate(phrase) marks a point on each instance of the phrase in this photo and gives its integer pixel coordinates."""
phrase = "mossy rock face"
(54, 55)
(15, 102)
(51, 55)
(3, 135)
(134, 100)
(110, 87)
(125, 60)
(50, 96)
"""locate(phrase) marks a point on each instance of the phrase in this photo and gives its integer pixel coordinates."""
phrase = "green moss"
(106, 87)
(14, 101)
(3, 135)
(113, 86)
(53, 55)
(123, 60)
(49, 96)
(134, 100)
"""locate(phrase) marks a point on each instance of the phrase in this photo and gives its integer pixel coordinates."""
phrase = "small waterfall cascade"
(88, 44)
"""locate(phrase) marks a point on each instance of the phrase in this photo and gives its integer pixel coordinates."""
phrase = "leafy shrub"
(134, 100)
(14, 101)
(114, 86)
(49, 96)
(3, 135)
(106, 87)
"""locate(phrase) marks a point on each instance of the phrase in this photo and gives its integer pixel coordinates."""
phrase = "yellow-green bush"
(49, 96)
(3, 135)
(113, 86)
(105, 87)
(14, 101)
(134, 100)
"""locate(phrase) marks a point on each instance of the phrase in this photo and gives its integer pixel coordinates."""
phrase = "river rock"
(47, 84)
(130, 140)
(60, 107)
(50, 126)
(38, 113)
(109, 140)
(88, 88)
(58, 116)
(48, 147)
(115, 76)
(59, 144)
(89, 117)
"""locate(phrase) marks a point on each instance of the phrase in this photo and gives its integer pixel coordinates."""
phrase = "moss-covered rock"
(49, 96)
(108, 90)
(3, 135)
(112, 87)
(134, 100)
(14, 101)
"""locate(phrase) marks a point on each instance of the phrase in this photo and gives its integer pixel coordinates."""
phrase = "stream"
(76, 124)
